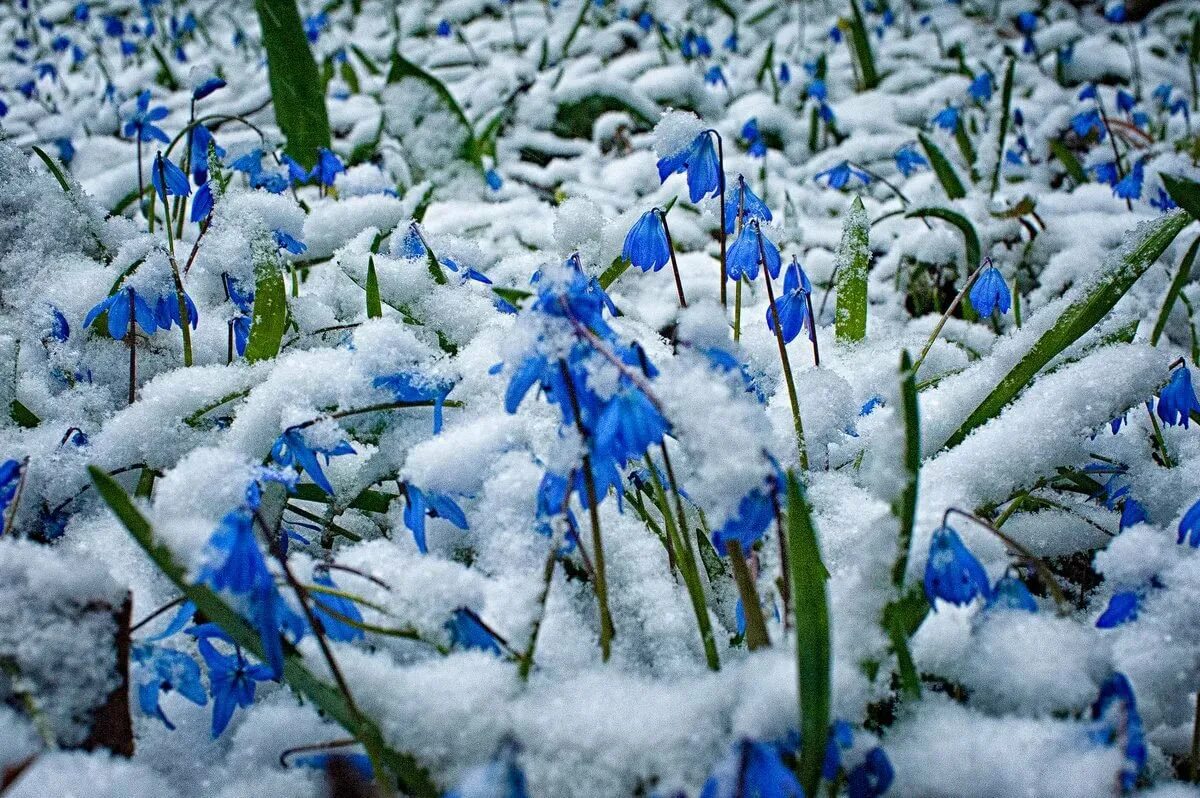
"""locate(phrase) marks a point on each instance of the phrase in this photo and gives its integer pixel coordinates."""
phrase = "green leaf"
(905, 505)
(970, 237)
(22, 415)
(374, 306)
(53, 167)
(296, 87)
(619, 266)
(1069, 161)
(574, 120)
(1181, 278)
(966, 148)
(402, 68)
(813, 650)
(1005, 107)
(724, 8)
(372, 501)
(513, 296)
(861, 43)
(164, 77)
(1185, 192)
(366, 60)
(1120, 273)
(854, 253)
(412, 777)
(349, 76)
(270, 315)
(584, 5)
(946, 175)
(901, 619)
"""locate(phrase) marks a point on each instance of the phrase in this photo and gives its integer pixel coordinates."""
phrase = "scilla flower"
(231, 680)
(291, 449)
(1189, 525)
(908, 160)
(952, 573)
(419, 504)
(124, 305)
(141, 123)
(990, 292)
(699, 160)
(751, 249)
(792, 304)
(838, 175)
(646, 244)
(169, 179)
(752, 768)
(1122, 608)
(744, 201)
(1010, 593)
(1177, 400)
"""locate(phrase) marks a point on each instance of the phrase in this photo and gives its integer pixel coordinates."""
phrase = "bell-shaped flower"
(952, 573)
(990, 293)
(646, 244)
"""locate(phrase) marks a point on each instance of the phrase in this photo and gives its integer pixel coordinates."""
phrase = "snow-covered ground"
(437, 484)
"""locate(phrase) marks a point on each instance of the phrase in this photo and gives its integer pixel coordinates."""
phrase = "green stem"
(787, 366)
(756, 627)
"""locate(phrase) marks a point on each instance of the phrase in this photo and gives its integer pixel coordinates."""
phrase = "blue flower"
(118, 308)
(493, 179)
(1162, 200)
(143, 119)
(1086, 122)
(410, 386)
(699, 160)
(166, 311)
(1010, 593)
(327, 168)
(835, 34)
(749, 250)
(359, 763)
(169, 179)
(952, 573)
(785, 74)
(742, 199)
(231, 680)
(1130, 186)
(629, 425)
(838, 176)
(1106, 172)
(754, 769)
(234, 560)
(81, 12)
(981, 88)
(1177, 400)
(1116, 721)
(1189, 525)
(334, 611)
(419, 504)
(59, 330)
(1125, 101)
(756, 145)
(817, 89)
(990, 292)
(947, 118)
(444, 29)
(291, 449)
(500, 778)
(10, 480)
(286, 242)
(646, 244)
(792, 304)
(207, 87)
(1122, 608)
(202, 137)
(202, 203)
(713, 76)
(468, 631)
(160, 670)
(1132, 512)
(872, 777)
(908, 160)
(731, 42)
(755, 512)
(841, 738)
(1115, 13)
(313, 25)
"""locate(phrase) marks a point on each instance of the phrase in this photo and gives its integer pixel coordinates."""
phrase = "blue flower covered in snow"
(755, 512)
(1130, 186)
(1117, 722)
(1177, 400)
(10, 480)
(1087, 122)
(232, 681)
(947, 118)
(990, 293)
(1010, 593)
(291, 449)
(742, 200)
(981, 87)
(792, 303)
(750, 250)
(124, 307)
(419, 504)
(646, 244)
(1122, 608)
(157, 670)
(337, 614)
(467, 630)
(952, 573)
(1189, 525)
(752, 768)
(168, 179)
(699, 160)
(410, 386)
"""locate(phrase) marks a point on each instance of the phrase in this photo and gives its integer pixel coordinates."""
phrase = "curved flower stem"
(525, 664)
(662, 216)
(783, 359)
(756, 627)
(371, 409)
(589, 483)
(175, 602)
(812, 329)
(1043, 570)
(721, 229)
(1159, 442)
(949, 312)
(131, 341)
(1113, 141)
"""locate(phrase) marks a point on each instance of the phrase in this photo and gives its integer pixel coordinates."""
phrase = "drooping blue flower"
(1125, 101)
(1132, 512)
(119, 313)
(232, 681)
(751, 249)
(314, 24)
(841, 738)
(1088, 92)
(990, 292)
(835, 34)
(291, 449)
(493, 179)
(1189, 525)
(287, 242)
(699, 160)
(1177, 400)
(872, 777)
(629, 425)
(1130, 186)
(791, 304)
(444, 29)
(82, 13)
(908, 160)
(1115, 13)
(141, 123)
(756, 145)
(159, 670)
(981, 87)
(713, 76)
(202, 137)
(419, 504)
(334, 611)
(169, 179)
(1122, 608)
(785, 74)
(1087, 122)
(411, 386)
(755, 512)
(59, 329)
(947, 118)
(646, 244)
(202, 203)
(1010, 593)
(1106, 172)
(1162, 200)
(1162, 93)
(952, 573)
(743, 200)
(468, 631)
(166, 311)
(10, 479)
(1117, 722)
(327, 168)
(838, 176)
(233, 560)
(207, 87)
(752, 769)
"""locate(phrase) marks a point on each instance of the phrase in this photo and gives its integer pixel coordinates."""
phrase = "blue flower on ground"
(444, 29)
(232, 681)
(952, 573)
(749, 250)
(117, 307)
(755, 769)
(756, 145)
(838, 176)
(327, 168)
(1087, 122)
(158, 670)
(743, 199)
(817, 89)
(59, 330)
(1125, 101)
(791, 304)
(646, 243)
(1117, 722)
(333, 611)
(313, 25)
(291, 449)
(493, 179)
(908, 160)
(947, 118)
(699, 160)
(410, 386)
(468, 631)
(1132, 512)
(713, 76)
(234, 560)
(755, 513)
(1088, 92)
(1177, 400)
(629, 425)
(1115, 13)
(1010, 593)
(785, 74)
(990, 292)
(142, 121)
(841, 738)
(981, 88)
(835, 35)
(872, 777)
(1122, 608)
(1106, 172)
(168, 179)
(10, 479)
(1130, 186)
(1189, 525)
(419, 504)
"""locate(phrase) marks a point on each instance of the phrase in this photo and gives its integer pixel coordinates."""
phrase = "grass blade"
(402, 68)
(296, 87)
(905, 506)
(1181, 278)
(374, 306)
(1185, 192)
(813, 649)
(854, 253)
(270, 315)
(413, 778)
(1005, 109)
(53, 167)
(861, 44)
(970, 237)
(1119, 273)
(1069, 161)
(946, 175)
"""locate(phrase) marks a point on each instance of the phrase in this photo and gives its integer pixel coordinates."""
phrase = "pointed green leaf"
(1185, 192)
(970, 237)
(1002, 133)
(853, 256)
(296, 88)
(946, 175)
(1069, 161)
(270, 315)
(374, 306)
(402, 68)
(861, 43)
(22, 415)
(1181, 278)
(53, 167)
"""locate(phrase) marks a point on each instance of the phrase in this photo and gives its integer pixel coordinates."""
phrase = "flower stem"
(131, 340)
(783, 359)
(949, 312)
(721, 229)
(674, 264)
(737, 311)
(184, 316)
(812, 329)
(1159, 442)
(526, 663)
(756, 627)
